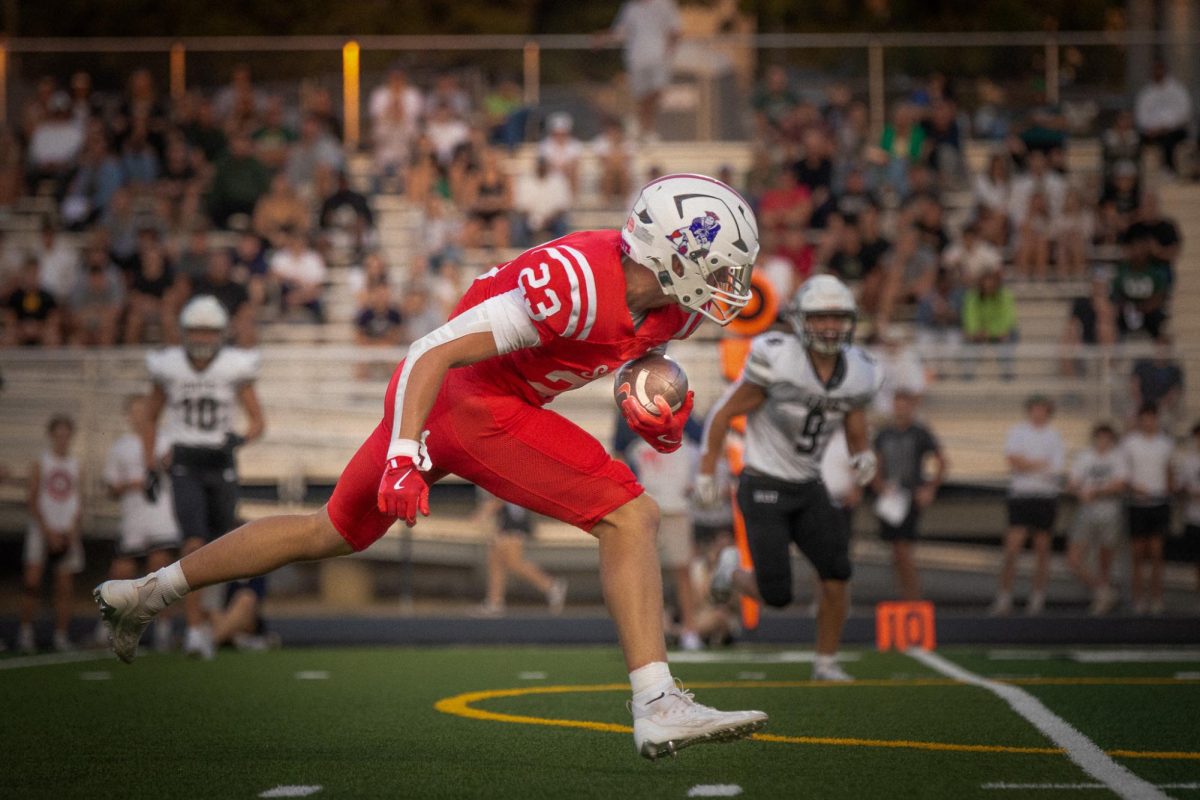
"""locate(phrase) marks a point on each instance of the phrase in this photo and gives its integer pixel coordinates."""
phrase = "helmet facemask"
(820, 334)
(205, 346)
(717, 291)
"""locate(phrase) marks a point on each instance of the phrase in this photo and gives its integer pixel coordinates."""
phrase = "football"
(648, 376)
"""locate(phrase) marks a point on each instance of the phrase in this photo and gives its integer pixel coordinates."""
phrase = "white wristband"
(413, 450)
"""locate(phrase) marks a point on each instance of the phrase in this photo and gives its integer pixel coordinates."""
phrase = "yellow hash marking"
(462, 705)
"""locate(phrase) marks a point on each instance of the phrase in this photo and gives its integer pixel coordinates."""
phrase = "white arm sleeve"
(504, 316)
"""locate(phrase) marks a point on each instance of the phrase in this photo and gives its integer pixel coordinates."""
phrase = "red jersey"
(573, 289)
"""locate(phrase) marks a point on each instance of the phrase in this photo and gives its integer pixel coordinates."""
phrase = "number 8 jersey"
(200, 404)
(786, 436)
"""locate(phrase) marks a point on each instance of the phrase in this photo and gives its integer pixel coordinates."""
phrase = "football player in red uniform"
(554, 318)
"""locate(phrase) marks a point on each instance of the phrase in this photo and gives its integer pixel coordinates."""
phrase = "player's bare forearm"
(429, 371)
(856, 431)
(154, 408)
(256, 423)
(741, 398)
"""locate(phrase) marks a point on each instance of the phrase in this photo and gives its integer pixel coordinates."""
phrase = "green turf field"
(485, 722)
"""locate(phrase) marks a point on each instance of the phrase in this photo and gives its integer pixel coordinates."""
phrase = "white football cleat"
(830, 672)
(673, 721)
(124, 606)
(556, 596)
(720, 588)
(198, 643)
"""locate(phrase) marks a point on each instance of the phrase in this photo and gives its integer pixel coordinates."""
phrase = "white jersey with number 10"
(786, 436)
(200, 404)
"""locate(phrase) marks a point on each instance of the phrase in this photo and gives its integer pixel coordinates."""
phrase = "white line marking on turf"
(99, 675)
(532, 676)
(715, 790)
(1080, 749)
(290, 791)
(50, 659)
(312, 675)
(1027, 786)
(1134, 656)
(1187, 676)
(752, 676)
(1019, 655)
(783, 657)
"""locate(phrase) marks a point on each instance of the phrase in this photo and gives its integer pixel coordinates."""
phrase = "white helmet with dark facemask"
(203, 313)
(700, 239)
(823, 295)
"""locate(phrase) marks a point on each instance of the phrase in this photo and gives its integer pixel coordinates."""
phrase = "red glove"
(664, 431)
(403, 491)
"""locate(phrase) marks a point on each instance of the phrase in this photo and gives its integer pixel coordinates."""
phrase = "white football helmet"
(700, 238)
(203, 313)
(823, 295)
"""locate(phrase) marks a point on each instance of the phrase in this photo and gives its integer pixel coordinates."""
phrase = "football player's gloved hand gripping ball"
(664, 430)
(402, 489)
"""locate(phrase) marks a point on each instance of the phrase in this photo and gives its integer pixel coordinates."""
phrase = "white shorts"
(648, 79)
(1098, 523)
(675, 541)
(35, 552)
(137, 543)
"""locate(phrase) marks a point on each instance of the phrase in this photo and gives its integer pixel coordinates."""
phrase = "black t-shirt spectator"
(814, 175)
(873, 253)
(1164, 232)
(229, 294)
(1083, 311)
(31, 304)
(154, 287)
(902, 452)
(376, 325)
(346, 198)
(1156, 379)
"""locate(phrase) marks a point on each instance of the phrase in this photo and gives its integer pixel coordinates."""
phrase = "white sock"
(650, 680)
(825, 660)
(170, 586)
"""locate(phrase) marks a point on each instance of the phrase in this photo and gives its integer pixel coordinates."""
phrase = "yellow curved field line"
(463, 705)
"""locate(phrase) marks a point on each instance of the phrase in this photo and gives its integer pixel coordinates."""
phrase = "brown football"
(651, 375)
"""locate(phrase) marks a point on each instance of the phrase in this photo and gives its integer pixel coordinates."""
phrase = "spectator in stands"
(1044, 131)
(181, 182)
(774, 100)
(300, 272)
(1186, 472)
(989, 317)
(250, 267)
(1119, 143)
(420, 311)
(1037, 179)
(446, 132)
(993, 193)
(317, 101)
(1149, 453)
(448, 91)
(1158, 381)
(505, 113)
(939, 323)
(12, 168)
(238, 102)
(141, 106)
(58, 262)
(441, 234)
(1141, 288)
(511, 526)
(1070, 236)
(373, 272)
(560, 149)
(54, 147)
(379, 322)
(1122, 195)
(139, 158)
(616, 154)
(814, 169)
(121, 223)
(1032, 256)
(395, 109)
(53, 540)
(85, 105)
(913, 268)
(971, 256)
(541, 201)
(903, 445)
(851, 139)
(218, 281)
(1165, 240)
(32, 317)
(944, 142)
(239, 180)
(488, 201)
(191, 261)
(650, 31)
(97, 301)
(12, 258)
(281, 211)
(151, 299)
(901, 144)
(1035, 454)
(202, 129)
(92, 185)
(273, 137)
(1098, 478)
(1163, 111)
(347, 220)
(1093, 321)
(786, 205)
(314, 158)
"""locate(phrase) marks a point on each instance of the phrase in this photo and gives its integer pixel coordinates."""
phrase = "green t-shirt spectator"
(993, 316)
(916, 142)
(1142, 285)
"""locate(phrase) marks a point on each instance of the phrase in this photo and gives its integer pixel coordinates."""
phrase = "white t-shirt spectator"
(542, 199)
(1187, 472)
(1149, 459)
(1092, 470)
(1163, 105)
(992, 195)
(140, 519)
(972, 262)
(1035, 444)
(55, 142)
(561, 154)
(58, 268)
(382, 98)
(446, 135)
(1051, 184)
(666, 477)
(306, 267)
(646, 26)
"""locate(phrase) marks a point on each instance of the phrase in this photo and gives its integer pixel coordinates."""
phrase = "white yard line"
(783, 657)
(50, 659)
(290, 791)
(312, 675)
(715, 790)
(1135, 656)
(1029, 786)
(1080, 749)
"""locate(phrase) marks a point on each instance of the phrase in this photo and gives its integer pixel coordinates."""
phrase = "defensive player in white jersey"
(53, 538)
(196, 389)
(796, 391)
(148, 529)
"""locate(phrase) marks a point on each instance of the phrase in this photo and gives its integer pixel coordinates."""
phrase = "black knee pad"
(776, 594)
(837, 568)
